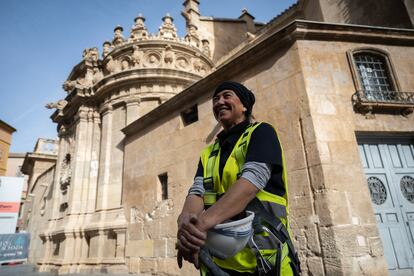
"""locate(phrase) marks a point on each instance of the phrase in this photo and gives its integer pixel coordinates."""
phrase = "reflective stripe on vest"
(245, 260)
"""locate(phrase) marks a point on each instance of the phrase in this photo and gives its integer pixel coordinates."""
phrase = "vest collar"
(237, 129)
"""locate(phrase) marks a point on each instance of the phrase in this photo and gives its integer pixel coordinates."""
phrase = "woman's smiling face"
(228, 109)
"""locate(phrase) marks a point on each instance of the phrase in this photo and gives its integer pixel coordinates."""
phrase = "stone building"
(6, 132)
(14, 169)
(333, 77)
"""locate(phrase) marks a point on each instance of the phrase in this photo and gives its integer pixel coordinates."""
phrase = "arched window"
(376, 83)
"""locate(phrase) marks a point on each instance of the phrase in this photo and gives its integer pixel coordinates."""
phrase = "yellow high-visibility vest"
(245, 260)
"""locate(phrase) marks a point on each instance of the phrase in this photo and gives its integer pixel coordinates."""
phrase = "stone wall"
(224, 35)
(40, 212)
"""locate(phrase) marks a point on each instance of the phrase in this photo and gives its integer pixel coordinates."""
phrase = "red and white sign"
(10, 195)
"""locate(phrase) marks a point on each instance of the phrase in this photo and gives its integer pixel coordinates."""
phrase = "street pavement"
(21, 270)
(28, 270)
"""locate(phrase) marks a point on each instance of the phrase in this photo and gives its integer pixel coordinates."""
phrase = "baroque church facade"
(333, 77)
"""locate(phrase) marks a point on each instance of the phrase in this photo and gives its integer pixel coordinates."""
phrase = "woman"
(245, 163)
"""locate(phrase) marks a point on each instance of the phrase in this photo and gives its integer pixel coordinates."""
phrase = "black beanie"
(245, 95)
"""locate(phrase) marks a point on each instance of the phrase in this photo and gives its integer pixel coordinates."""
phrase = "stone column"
(87, 160)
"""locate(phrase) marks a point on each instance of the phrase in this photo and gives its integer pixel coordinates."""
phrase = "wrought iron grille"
(377, 190)
(373, 72)
(407, 187)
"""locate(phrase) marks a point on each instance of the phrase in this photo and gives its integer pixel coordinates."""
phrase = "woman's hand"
(189, 239)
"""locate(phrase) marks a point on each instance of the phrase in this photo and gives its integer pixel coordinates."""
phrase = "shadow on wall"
(366, 12)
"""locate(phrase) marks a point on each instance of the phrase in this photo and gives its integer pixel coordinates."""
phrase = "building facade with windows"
(334, 78)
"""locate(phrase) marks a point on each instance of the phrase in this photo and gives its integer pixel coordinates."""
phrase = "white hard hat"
(230, 237)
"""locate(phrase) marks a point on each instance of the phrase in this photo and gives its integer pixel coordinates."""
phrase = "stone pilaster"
(105, 156)
(94, 163)
(132, 109)
(120, 243)
(64, 145)
(79, 160)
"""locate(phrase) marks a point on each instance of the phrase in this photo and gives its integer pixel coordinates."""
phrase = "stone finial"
(167, 29)
(139, 31)
(192, 35)
(106, 48)
(205, 47)
(118, 36)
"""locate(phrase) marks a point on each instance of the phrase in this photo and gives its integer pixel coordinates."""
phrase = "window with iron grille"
(373, 75)
(373, 72)
(376, 83)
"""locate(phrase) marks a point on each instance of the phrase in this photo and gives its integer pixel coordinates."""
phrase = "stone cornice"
(7, 127)
(31, 157)
(257, 49)
(158, 44)
(122, 79)
(145, 76)
(310, 30)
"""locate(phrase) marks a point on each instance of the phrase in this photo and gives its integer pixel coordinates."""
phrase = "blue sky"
(41, 40)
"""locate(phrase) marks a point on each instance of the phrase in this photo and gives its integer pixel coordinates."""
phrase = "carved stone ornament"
(205, 48)
(136, 56)
(118, 36)
(139, 31)
(167, 29)
(112, 65)
(91, 56)
(59, 105)
(80, 83)
(125, 64)
(182, 63)
(65, 173)
(152, 59)
(97, 75)
(168, 55)
(106, 48)
(197, 65)
(192, 36)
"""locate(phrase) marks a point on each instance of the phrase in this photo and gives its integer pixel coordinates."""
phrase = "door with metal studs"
(389, 169)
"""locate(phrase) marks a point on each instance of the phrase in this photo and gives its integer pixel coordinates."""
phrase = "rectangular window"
(189, 115)
(163, 179)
